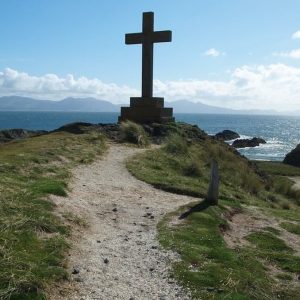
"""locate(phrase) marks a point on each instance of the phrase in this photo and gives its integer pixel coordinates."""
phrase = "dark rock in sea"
(227, 135)
(15, 134)
(243, 143)
(293, 157)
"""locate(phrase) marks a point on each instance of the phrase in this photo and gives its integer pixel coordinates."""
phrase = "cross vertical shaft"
(147, 38)
(147, 64)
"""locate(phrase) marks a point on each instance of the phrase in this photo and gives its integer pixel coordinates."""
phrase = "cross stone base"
(147, 110)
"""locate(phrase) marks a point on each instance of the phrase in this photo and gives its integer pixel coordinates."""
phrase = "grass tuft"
(46, 186)
(275, 250)
(291, 227)
(268, 242)
(134, 133)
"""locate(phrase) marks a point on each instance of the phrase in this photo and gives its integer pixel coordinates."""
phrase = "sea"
(282, 133)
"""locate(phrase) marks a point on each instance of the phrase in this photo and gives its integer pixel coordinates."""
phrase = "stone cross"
(147, 38)
(147, 109)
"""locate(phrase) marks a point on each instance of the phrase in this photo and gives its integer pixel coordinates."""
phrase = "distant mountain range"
(185, 106)
(16, 103)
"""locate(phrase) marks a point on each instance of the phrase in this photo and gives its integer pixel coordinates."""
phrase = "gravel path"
(117, 256)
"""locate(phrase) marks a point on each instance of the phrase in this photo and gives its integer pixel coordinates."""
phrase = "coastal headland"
(94, 211)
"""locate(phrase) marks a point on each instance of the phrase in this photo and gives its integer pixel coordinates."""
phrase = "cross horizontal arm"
(161, 36)
(134, 38)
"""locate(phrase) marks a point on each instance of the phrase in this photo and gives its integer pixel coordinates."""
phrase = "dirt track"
(117, 256)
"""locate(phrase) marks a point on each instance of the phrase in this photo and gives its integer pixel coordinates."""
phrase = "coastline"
(281, 133)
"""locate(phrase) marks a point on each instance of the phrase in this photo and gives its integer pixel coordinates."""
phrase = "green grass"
(280, 183)
(283, 214)
(31, 170)
(291, 227)
(284, 186)
(272, 230)
(275, 250)
(182, 166)
(278, 168)
(185, 168)
(208, 268)
(266, 241)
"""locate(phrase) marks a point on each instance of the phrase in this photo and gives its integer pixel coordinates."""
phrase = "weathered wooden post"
(213, 189)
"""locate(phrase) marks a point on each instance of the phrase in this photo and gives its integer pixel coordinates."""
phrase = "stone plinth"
(147, 110)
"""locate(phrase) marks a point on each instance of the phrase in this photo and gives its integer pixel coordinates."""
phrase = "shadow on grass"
(197, 208)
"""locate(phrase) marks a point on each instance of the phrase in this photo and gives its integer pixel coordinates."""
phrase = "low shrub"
(134, 133)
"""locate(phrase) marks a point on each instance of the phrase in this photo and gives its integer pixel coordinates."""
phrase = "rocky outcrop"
(227, 135)
(76, 128)
(15, 134)
(243, 143)
(158, 132)
(293, 157)
(111, 131)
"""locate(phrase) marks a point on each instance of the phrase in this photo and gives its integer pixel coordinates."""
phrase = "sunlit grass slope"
(32, 238)
(208, 266)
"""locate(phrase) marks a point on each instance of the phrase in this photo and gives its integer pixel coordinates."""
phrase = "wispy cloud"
(291, 54)
(296, 35)
(213, 52)
(275, 86)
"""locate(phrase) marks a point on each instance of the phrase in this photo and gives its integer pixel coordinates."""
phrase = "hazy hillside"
(16, 103)
(185, 106)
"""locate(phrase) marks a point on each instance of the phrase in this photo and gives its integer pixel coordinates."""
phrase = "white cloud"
(296, 35)
(213, 52)
(291, 54)
(52, 87)
(275, 86)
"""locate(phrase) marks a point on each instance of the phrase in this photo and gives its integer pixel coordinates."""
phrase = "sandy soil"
(117, 256)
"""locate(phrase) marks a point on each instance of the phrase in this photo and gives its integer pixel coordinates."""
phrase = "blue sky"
(230, 53)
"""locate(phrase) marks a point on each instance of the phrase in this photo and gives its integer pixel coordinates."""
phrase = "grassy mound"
(32, 238)
(208, 267)
(183, 165)
(211, 270)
